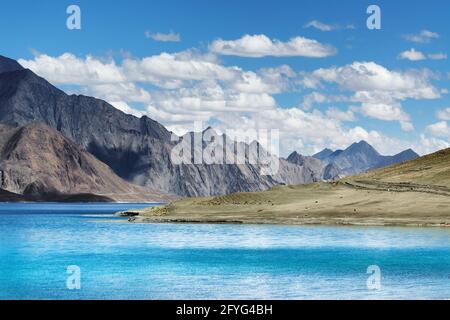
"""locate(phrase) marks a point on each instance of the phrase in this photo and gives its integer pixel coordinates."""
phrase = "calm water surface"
(182, 261)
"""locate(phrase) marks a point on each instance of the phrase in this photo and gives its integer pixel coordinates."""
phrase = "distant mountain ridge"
(361, 157)
(139, 149)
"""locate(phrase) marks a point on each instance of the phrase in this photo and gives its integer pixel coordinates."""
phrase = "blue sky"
(366, 84)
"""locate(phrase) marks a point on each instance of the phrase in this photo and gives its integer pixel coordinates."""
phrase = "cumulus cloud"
(341, 115)
(126, 91)
(378, 89)
(444, 114)
(257, 46)
(189, 86)
(423, 36)
(164, 37)
(168, 71)
(427, 144)
(440, 129)
(69, 69)
(209, 96)
(326, 27)
(388, 112)
(371, 77)
(412, 55)
(309, 132)
(317, 98)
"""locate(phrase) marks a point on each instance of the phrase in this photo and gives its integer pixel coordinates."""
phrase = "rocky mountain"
(361, 157)
(39, 163)
(137, 149)
(324, 154)
(140, 150)
(315, 169)
(8, 65)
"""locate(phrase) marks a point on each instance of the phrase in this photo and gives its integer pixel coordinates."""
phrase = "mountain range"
(361, 157)
(413, 193)
(137, 150)
(37, 162)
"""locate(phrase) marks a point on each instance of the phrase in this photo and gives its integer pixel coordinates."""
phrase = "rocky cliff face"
(37, 162)
(138, 150)
(314, 169)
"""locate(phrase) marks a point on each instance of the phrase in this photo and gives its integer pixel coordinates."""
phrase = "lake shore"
(348, 202)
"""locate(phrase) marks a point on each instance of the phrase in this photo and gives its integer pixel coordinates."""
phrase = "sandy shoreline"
(340, 203)
(312, 222)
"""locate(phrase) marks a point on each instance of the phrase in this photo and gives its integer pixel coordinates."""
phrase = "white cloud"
(191, 86)
(438, 56)
(412, 55)
(309, 132)
(170, 70)
(378, 89)
(440, 129)
(164, 37)
(281, 78)
(313, 98)
(372, 77)
(126, 91)
(340, 115)
(68, 69)
(423, 36)
(257, 46)
(209, 96)
(326, 27)
(406, 126)
(444, 114)
(427, 145)
(388, 112)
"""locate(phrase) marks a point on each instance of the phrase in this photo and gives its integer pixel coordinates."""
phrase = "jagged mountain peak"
(294, 154)
(361, 156)
(296, 158)
(322, 155)
(362, 146)
(408, 152)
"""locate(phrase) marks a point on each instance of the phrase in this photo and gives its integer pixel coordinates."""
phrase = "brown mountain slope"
(37, 161)
(433, 169)
(413, 193)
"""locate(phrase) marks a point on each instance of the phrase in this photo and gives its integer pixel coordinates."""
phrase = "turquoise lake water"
(119, 260)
